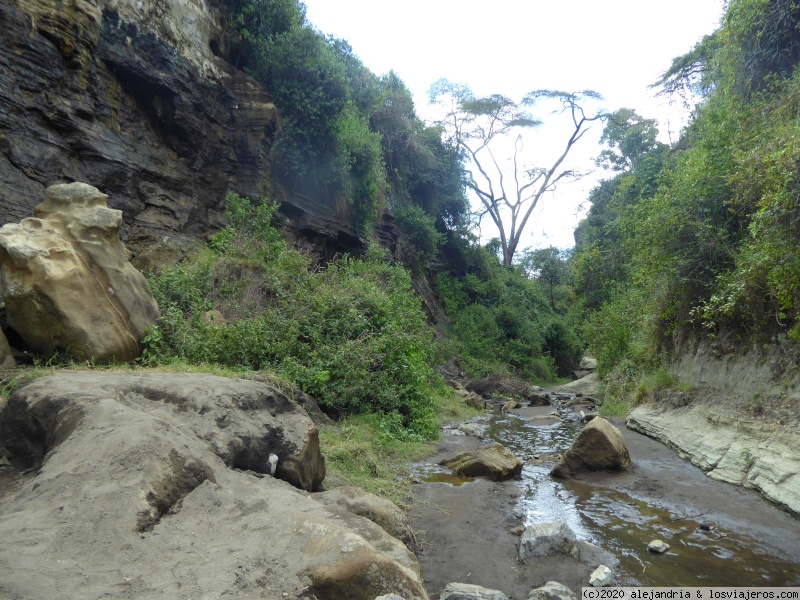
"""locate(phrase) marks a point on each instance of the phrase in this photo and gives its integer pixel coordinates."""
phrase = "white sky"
(510, 47)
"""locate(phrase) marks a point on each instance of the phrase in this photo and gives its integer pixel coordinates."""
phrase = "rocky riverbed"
(468, 529)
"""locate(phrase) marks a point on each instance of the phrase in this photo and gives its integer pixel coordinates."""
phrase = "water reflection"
(625, 525)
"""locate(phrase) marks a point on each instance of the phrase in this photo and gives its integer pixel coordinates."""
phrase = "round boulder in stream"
(598, 447)
(494, 461)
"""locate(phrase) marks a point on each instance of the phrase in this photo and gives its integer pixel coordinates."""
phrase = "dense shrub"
(344, 132)
(352, 334)
(502, 322)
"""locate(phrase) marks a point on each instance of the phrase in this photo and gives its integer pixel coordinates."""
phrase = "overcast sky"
(615, 47)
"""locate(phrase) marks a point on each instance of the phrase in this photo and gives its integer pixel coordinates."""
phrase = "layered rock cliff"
(136, 98)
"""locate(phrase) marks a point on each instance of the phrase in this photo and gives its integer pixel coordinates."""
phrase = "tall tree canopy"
(478, 126)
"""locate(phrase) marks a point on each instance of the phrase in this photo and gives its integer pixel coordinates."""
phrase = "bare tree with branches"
(475, 124)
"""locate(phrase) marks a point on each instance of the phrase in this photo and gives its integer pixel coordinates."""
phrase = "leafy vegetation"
(363, 452)
(702, 237)
(351, 334)
(345, 132)
(501, 321)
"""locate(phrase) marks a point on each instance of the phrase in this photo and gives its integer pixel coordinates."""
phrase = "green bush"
(344, 132)
(421, 239)
(501, 322)
(352, 334)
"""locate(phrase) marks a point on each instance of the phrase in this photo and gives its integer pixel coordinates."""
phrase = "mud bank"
(752, 453)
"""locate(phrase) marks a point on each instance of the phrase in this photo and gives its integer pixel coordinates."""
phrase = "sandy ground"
(465, 537)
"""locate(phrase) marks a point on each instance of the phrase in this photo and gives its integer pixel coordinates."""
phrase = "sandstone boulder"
(494, 461)
(473, 400)
(598, 447)
(152, 486)
(241, 422)
(67, 282)
(380, 511)
(510, 405)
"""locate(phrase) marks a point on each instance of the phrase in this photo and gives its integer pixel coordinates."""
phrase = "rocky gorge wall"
(736, 417)
(136, 98)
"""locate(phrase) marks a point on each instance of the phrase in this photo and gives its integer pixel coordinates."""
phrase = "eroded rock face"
(153, 483)
(745, 453)
(598, 447)
(241, 422)
(67, 282)
(494, 461)
(141, 98)
(380, 511)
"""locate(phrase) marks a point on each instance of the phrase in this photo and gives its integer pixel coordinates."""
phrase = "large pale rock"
(541, 539)
(67, 282)
(598, 447)
(242, 422)
(751, 454)
(468, 591)
(380, 511)
(152, 486)
(494, 461)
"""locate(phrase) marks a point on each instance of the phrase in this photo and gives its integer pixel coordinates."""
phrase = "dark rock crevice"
(180, 478)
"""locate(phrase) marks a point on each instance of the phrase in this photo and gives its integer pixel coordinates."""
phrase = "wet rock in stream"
(598, 447)
(658, 546)
(494, 461)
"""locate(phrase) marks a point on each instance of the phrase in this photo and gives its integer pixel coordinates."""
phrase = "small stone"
(658, 546)
(467, 591)
(510, 405)
(471, 429)
(273, 464)
(552, 590)
(600, 577)
(516, 530)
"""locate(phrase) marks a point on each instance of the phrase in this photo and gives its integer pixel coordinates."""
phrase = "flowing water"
(720, 535)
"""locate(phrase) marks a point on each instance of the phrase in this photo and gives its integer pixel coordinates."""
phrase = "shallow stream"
(720, 535)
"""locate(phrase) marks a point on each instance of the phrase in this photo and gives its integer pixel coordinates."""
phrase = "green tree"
(477, 126)
(630, 138)
(548, 265)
